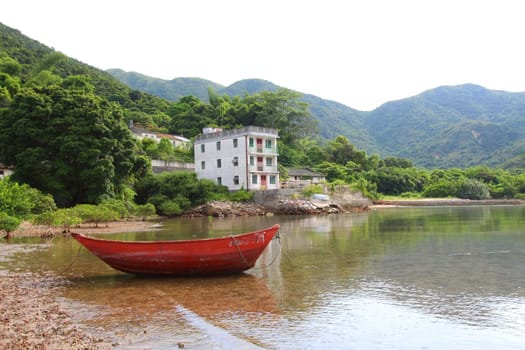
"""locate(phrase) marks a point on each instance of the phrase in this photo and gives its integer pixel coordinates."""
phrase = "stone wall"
(342, 197)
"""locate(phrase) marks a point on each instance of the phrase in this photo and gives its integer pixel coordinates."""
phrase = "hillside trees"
(65, 140)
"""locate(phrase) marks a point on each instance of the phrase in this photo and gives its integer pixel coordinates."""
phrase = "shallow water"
(404, 278)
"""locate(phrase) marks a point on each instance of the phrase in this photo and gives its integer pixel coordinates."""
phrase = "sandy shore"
(26, 229)
(31, 317)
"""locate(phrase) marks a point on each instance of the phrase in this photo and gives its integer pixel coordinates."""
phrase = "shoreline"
(32, 314)
(26, 229)
(436, 202)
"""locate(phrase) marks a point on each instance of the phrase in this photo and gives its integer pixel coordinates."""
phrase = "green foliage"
(8, 223)
(170, 208)
(118, 206)
(310, 190)
(181, 188)
(22, 201)
(89, 213)
(64, 140)
(241, 196)
(367, 188)
(144, 210)
(65, 218)
(441, 189)
(473, 189)
(394, 181)
(519, 196)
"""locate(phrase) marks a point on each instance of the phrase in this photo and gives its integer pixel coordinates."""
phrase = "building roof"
(247, 130)
(303, 172)
(141, 131)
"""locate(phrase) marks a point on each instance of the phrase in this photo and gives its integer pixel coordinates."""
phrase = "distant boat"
(159, 224)
(210, 256)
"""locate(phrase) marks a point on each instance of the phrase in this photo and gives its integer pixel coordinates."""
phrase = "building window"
(252, 160)
(272, 179)
(254, 179)
(269, 161)
(235, 161)
(218, 144)
(268, 143)
(203, 165)
(219, 163)
(235, 143)
(219, 180)
(251, 141)
(203, 147)
(236, 180)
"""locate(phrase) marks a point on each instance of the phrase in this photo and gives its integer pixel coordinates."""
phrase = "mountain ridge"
(447, 126)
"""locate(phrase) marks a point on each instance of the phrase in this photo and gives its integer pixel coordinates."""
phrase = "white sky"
(360, 53)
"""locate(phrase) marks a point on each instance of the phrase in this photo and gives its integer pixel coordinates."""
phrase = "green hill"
(170, 90)
(449, 126)
(452, 126)
(30, 53)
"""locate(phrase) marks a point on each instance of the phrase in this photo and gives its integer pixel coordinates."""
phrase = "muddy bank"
(27, 229)
(32, 318)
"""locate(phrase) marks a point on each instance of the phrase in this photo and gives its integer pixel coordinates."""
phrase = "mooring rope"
(235, 243)
(285, 251)
(74, 260)
(265, 266)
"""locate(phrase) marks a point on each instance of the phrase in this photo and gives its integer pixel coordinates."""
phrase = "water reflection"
(403, 278)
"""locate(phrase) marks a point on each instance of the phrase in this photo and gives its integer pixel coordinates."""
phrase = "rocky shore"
(32, 318)
(285, 207)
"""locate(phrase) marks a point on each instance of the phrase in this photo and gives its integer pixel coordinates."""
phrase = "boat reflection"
(134, 298)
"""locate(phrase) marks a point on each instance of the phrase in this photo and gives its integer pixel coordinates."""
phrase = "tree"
(66, 141)
(189, 116)
(8, 223)
(341, 151)
(473, 189)
(21, 200)
(283, 110)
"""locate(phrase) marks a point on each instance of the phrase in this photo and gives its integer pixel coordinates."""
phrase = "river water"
(403, 278)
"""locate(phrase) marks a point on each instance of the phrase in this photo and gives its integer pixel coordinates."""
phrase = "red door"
(263, 180)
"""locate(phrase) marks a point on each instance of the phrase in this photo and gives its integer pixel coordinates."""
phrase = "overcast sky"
(360, 53)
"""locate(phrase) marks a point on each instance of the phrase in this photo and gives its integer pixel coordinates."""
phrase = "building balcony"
(263, 168)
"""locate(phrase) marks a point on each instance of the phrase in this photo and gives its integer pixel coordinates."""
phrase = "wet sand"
(31, 316)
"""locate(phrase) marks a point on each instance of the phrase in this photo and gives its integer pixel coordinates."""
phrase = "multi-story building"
(244, 158)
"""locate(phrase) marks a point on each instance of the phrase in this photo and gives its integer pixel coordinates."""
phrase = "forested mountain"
(31, 55)
(452, 126)
(449, 126)
(168, 89)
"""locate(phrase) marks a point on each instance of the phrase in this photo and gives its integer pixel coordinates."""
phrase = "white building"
(141, 133)
(244, 158)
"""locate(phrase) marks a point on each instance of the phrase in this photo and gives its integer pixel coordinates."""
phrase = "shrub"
(144, 210)
(117, 206)
(473, 189)
(170, 208)
(8, 223)
(519, 196)
(309, 190)
(66, 218)
(441, 189)
(241, 196)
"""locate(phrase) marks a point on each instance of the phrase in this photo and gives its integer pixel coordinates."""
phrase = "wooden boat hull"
(212, 256)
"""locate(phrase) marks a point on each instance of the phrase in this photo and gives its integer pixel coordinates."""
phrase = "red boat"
(211, 256)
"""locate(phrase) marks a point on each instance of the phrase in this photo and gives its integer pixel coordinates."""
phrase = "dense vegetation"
(63, 127)
(446, 127)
